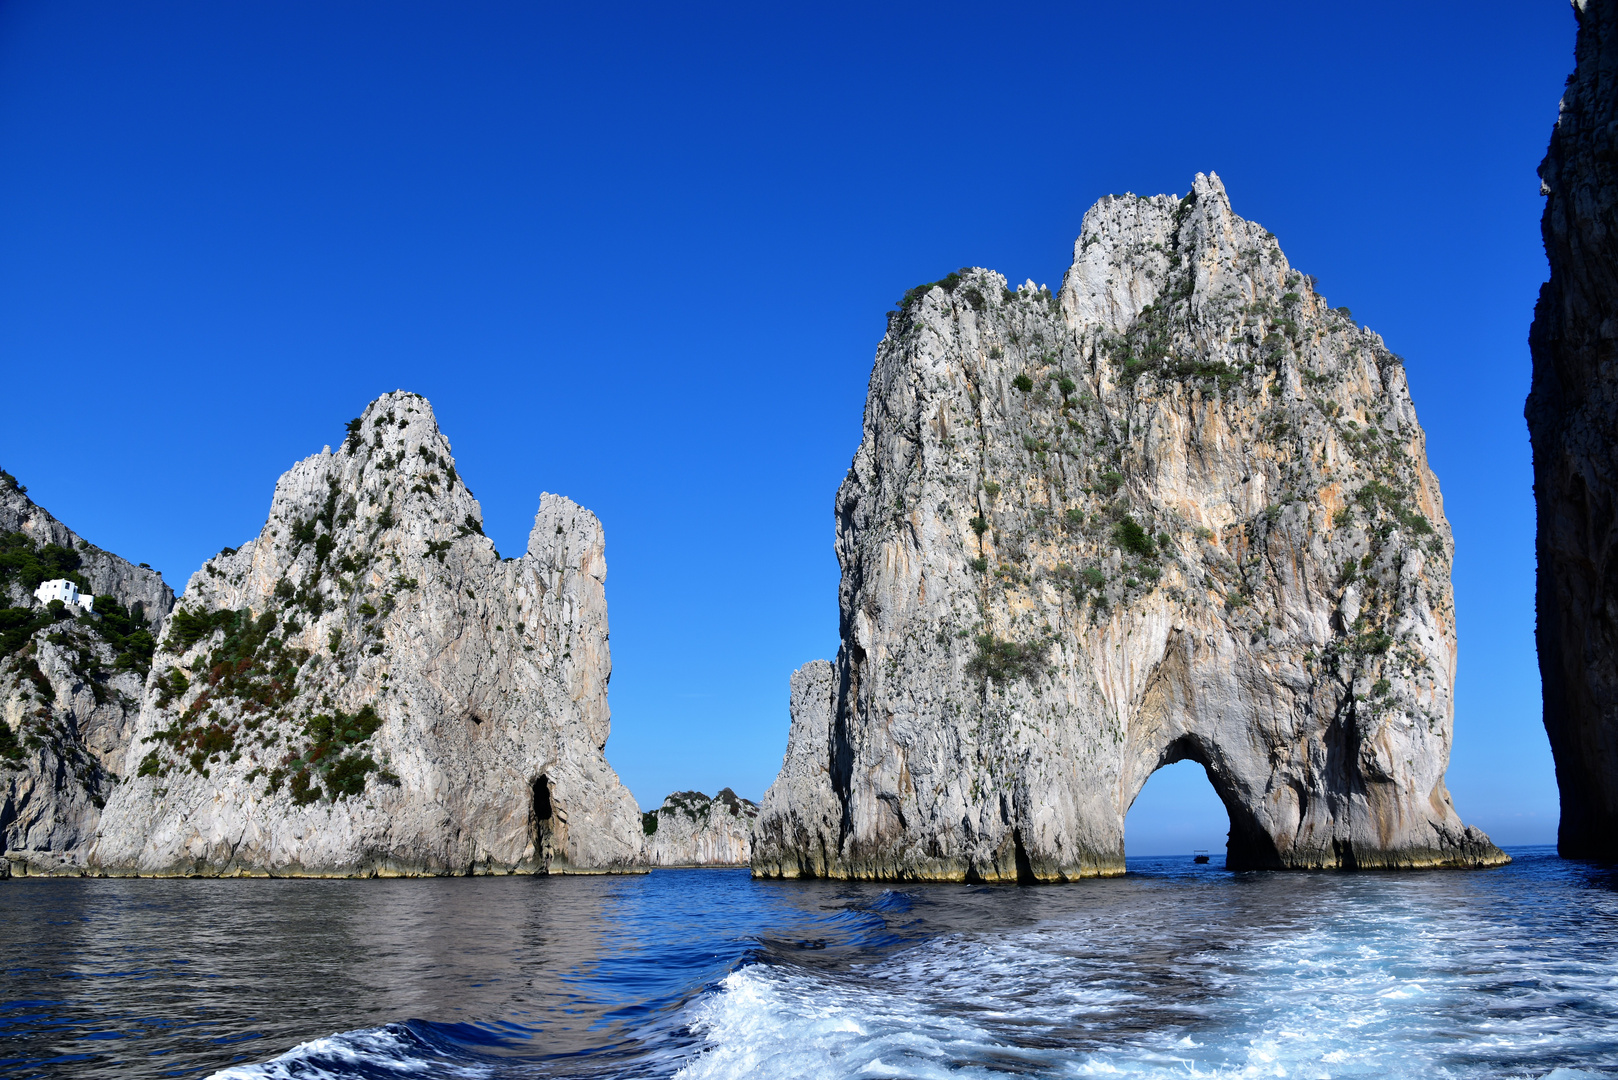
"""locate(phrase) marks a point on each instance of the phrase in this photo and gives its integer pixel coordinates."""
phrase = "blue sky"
(640, 256)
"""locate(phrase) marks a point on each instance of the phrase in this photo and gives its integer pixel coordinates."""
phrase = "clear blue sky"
(640, 256)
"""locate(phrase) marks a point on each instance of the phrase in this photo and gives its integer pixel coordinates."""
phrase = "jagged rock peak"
(1572, 413)
(1181, 509)
(1131, 248)
(690, 829)
(368, 688)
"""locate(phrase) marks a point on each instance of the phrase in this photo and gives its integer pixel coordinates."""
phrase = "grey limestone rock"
(1180, 510)
(1572, 413)
(690, 829)
(796, 835)
(368, 688)
(71, 683)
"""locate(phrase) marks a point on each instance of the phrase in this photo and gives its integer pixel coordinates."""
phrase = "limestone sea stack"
(690, 829)
(1572, 416)
(72, 679)
(368, 688)
(1179, 510)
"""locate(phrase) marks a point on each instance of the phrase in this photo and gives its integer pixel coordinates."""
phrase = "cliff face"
(1572, 416)
(800, 825)
(368, 688)
(690, 829)
(70, 682)
(1181, 510)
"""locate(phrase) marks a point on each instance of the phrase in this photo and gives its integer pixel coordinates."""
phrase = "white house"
(65, 591)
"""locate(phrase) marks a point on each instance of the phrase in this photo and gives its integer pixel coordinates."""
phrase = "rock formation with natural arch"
(1180, 509)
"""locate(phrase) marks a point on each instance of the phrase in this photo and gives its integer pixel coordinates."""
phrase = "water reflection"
(1499, 973)
(183, 968)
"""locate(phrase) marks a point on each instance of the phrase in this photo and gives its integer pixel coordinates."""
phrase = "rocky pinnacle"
(1179, 510)
(368, 688)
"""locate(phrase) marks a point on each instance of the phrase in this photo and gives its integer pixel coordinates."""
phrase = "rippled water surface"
(1174, 970)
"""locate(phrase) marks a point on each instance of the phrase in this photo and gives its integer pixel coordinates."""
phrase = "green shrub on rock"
(1004, 661)
(1130, 537)
(28, 563)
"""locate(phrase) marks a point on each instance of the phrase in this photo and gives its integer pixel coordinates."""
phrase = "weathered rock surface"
(1181, 510)
(690, 829)
(368, 688)
(71, 682)
(1572, 416)
(801, 822)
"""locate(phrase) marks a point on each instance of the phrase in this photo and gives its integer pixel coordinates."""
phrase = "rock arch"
(1173, 725)
(1180, 508)
(1177, 811)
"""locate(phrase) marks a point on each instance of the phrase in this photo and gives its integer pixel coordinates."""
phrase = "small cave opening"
(548, 825)
(542, 800)
(1025, 866)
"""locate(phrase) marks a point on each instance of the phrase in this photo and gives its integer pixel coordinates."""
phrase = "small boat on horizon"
(1200, 855)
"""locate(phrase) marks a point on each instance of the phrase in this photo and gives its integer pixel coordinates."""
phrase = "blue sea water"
(1174, 970)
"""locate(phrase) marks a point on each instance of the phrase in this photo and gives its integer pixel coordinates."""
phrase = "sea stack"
(368, 688)
(1572, 416)
(1180, 509)
(690, 829)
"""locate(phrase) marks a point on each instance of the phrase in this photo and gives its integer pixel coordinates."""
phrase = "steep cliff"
(1573, 423)
(1181, 510)
(70, 681)
(368, 688)
(690, 829)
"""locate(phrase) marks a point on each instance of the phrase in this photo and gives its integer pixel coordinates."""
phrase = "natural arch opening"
(1177, 813)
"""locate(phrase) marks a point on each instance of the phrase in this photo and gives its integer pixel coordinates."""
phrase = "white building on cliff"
(65, 591)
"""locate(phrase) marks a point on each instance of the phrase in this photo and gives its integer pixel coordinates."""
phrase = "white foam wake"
(1304, 1003)
(375, 1052)
(765, 1022)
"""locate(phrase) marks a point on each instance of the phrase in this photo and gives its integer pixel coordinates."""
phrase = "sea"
(1173, 970)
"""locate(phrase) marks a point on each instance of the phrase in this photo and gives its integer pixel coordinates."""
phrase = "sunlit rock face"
(71, 682)
(1180, 509)
(367, 687)
(1573, 422)
(690, 829)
